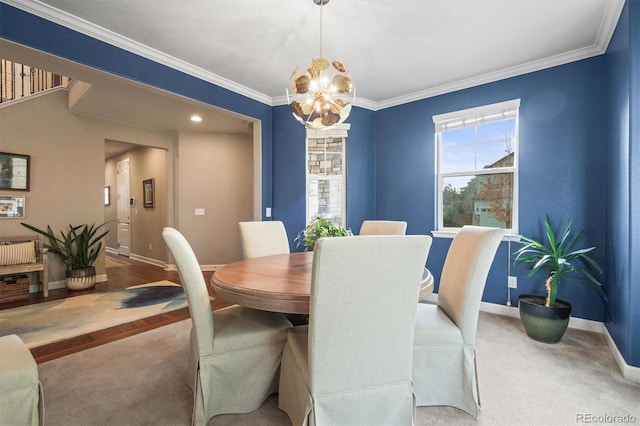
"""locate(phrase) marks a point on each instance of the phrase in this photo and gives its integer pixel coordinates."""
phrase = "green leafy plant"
(561, 259)
(78, 248)
(318, 228)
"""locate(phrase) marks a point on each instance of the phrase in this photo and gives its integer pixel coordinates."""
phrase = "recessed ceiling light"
(196, 118)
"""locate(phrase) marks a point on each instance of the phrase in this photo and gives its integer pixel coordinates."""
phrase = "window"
(477, 167)
(326, 174)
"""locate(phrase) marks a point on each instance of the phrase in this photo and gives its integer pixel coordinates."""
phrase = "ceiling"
(396, 50)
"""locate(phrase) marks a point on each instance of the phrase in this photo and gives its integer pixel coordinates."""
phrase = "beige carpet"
(43, 323)
(140, 380)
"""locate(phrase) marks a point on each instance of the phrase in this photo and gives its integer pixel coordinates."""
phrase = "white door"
(124, 208)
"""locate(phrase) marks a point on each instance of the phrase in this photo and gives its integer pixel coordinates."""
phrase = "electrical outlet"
(512, 282)
(150, 246)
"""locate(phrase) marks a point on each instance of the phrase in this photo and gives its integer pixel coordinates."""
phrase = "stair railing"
(19, 80)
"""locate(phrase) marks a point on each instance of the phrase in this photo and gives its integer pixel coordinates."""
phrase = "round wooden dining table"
(278, 283)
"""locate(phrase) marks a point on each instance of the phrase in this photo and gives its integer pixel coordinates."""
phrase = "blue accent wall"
(562, 171)
(623, 178)
(289, 170)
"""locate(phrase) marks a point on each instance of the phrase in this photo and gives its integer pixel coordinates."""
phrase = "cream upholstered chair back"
(263, 238)
(236, 368)
(383, 227)
(363, 296)
(194, 286)
(464, 275)
(364, 293)
(444, 363)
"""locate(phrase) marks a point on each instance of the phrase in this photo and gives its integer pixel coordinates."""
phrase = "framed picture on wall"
(147, 193)
(11, 207)
(14, 171)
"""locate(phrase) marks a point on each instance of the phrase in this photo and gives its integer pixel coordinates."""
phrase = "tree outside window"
(477, 167)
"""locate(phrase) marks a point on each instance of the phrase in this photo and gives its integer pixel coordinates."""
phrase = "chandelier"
(321, 93)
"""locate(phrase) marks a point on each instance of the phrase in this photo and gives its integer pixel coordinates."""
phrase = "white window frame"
(468, 118)
(337, 131)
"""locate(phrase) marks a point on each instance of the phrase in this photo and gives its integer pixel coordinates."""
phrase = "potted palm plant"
(545, 317)
(318, 228)
(78, 249)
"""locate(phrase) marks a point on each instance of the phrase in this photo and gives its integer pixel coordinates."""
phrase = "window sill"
(451, 233)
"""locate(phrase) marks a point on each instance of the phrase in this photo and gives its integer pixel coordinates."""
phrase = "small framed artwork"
(107, 195)
(14, 172)
(147, 193)
(11, 207)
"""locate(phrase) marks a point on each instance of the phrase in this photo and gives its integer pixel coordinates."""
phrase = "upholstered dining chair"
(352, 363)
(444, 363)
(21, 395)
(383, 227)
(263, 238)
(235, 351)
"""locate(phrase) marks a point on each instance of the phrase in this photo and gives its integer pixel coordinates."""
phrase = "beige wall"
(69, 172)
(215, 174)
(67, 164)
(146, 223)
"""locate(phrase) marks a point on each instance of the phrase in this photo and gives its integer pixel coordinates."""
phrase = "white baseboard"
(149, 260)
(55, 285)
(160, 263)
(629, 372)
(204, 268)
(512, 311)
(209, 267)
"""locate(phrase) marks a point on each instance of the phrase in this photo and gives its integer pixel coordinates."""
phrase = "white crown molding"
(609, 23)
(554, 61)
(605, 33)
(84, 27)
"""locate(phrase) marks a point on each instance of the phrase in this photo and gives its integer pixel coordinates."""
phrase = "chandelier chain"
(321, 6)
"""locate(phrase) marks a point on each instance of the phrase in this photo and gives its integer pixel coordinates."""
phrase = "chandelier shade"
(321, 92)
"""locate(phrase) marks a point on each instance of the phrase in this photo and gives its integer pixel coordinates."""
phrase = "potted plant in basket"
(545, 317)
(318, 228)
(78, 249)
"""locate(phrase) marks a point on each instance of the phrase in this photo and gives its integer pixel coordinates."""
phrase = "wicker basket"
(14, 288)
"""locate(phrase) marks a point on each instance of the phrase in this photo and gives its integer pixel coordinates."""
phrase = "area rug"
(49, 322)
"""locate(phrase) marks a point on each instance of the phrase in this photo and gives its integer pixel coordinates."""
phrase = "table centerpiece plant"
(318, 228)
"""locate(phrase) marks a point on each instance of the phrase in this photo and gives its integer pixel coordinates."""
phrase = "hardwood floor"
(134, 273)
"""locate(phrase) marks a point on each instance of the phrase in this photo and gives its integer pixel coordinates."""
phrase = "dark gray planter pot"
(542, 323)
(80, 279)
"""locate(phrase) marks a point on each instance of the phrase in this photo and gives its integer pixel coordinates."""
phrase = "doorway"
(123, 200)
